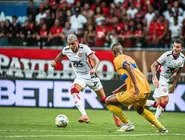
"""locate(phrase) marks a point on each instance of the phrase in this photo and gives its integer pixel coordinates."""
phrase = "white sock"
(150, 103)
(159, 111)
(78, 103)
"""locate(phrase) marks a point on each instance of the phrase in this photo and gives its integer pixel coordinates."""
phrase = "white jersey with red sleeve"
(79, 60)
(169, 65)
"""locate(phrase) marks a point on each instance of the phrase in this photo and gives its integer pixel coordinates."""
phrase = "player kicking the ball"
(134, 91)
(79, 55)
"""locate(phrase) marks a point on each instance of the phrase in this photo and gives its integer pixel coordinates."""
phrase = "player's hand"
(92, 71)
(156, 83)
(172, 88)
(53, 63)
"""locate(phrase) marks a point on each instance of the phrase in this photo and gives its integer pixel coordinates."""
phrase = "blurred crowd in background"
(98, 23)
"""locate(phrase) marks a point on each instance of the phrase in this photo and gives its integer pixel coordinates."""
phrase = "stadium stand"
(143, 23)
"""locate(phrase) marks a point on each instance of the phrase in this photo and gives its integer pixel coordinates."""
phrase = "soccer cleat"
(117, 121)
(162, 130)
(84, 119)
(127, 127)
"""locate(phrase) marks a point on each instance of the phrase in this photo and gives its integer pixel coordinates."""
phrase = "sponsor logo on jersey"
(164, 89)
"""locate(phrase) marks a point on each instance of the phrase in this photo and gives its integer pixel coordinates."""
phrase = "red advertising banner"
(47, 54)
(35, 63)
(29, 60)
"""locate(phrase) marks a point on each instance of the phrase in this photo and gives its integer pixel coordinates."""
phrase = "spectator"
(139, 35)
(162, 29)
(68, 13)
(62, 17)
(46, 5)
(98, 15)
(127, 37)
(15, 32)
(176, 10)
(151, 32)
(27, 34)
(54, 9)
(90, 34)
(80, 35)
(94, 5)
(101, 33)
(41, 14)
(87, 12)
(77, 20)
(42, 36)
(175, 30)
(149, 16)
(168, 13)
(32, 10)
(3, 34)
(56, 36)
(140, 14)
(48, 19)
(112, 37)
(132, 10)
(67, 30)
(105, 8)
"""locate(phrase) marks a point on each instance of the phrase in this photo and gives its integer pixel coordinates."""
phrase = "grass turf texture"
(39, 124)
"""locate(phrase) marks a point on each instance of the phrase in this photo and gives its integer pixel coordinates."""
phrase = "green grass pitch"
(39, 124)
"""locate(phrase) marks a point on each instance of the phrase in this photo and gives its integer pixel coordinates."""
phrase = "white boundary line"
(59, 130)
(120, 135)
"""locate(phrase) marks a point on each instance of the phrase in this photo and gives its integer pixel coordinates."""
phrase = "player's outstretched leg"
(113, 106)
(150, 117)
(84, 118)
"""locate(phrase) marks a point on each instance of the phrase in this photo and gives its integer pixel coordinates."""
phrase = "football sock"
(151, 118)
(79, 104)
(118, 112)
(150, 103)
(160, 109)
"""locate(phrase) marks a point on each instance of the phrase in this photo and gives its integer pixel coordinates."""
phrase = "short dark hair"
(179, 41)
(115, 44)
(14, 16)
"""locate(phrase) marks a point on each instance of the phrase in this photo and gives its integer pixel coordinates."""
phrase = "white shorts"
(92, 82)
(162, 90)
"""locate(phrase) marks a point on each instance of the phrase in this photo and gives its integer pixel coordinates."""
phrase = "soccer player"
(79, 55)
(162, 70)
(134, 91)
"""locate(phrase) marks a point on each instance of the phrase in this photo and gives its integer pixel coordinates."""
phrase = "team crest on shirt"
(80, 54)
(164, 89)
(179, 63)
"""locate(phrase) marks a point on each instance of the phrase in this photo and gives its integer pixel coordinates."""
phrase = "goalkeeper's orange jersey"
(142, 82)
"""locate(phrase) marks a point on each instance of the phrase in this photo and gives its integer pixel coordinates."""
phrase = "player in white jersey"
(162, 69)
(79, 55)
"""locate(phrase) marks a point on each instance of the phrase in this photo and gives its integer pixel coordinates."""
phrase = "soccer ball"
(61, 120)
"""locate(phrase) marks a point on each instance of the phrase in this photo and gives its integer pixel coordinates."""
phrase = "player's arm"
(119, 89)
(176, 79)
(96, 62)
(58, 57)
(154, 67)
(127, 66)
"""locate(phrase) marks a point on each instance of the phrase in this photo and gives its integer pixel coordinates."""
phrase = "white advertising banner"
(48, 93)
